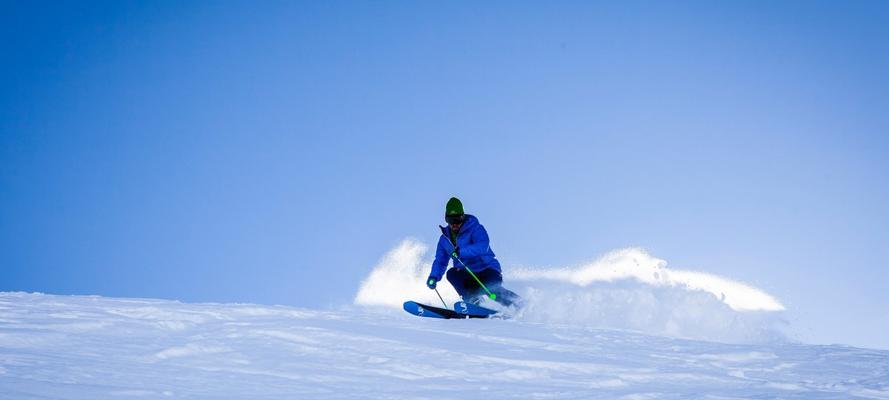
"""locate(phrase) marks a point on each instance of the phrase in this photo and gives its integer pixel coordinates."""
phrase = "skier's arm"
(480, 244)
(441, 261)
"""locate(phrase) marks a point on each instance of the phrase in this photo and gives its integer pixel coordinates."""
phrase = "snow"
(625, 289)
(80, 347)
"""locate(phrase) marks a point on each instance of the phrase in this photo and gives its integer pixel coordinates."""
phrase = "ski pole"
(440, 298)
(491, 295)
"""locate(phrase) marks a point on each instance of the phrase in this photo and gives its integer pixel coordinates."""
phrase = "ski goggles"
(454, 219)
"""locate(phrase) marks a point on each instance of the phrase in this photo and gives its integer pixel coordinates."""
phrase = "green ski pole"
(491, 295)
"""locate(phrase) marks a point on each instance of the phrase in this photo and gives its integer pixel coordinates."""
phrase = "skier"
(466, 241)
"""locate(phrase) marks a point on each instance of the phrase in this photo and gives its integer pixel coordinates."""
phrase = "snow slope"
(76, 347)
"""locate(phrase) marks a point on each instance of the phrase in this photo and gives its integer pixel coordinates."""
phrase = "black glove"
(456, 252)
(431, 282)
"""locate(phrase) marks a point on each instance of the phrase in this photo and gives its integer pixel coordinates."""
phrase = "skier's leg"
(494, 281)
(507, 297)
(466, 286)
(457, 278)
(474, 292)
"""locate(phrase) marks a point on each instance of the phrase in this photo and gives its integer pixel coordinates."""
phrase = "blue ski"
(423, 310)
(470, 309)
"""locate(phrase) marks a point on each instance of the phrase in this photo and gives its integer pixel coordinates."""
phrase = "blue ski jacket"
(475, 249)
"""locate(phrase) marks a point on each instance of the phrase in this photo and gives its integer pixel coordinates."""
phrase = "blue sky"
(273, 152)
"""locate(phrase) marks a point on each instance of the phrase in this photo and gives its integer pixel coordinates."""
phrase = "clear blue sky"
(271, 152)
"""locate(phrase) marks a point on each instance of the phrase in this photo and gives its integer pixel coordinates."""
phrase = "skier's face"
(455, 222)
(455, 227)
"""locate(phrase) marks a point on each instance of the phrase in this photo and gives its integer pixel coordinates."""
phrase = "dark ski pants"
(470, 290)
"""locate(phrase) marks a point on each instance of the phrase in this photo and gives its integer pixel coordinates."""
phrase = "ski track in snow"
(81, 347)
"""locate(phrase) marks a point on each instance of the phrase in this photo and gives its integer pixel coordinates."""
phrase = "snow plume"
(625, 289)
(636, 264)
(400, 276)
